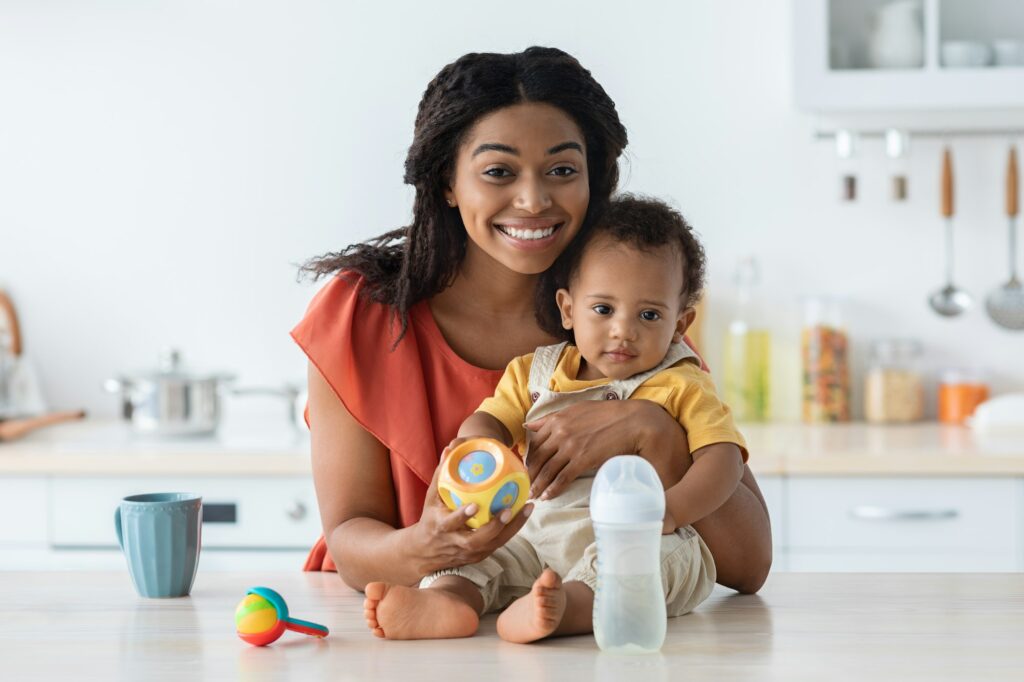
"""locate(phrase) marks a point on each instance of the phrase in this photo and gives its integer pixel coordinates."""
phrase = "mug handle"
(117, 527)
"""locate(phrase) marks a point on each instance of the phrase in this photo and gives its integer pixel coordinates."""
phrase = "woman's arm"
(712, 479)
(355, 493)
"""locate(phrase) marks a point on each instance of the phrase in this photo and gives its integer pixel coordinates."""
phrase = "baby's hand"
(668, 525)
(456, 442)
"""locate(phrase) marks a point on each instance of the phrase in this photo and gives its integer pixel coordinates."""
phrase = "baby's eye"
(602, 309)
(650, 315)
(497, 172)
(563, 171)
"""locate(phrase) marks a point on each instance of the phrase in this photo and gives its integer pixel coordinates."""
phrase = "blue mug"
(160, 535)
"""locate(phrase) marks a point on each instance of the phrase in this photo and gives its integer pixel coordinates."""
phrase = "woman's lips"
(513, 232)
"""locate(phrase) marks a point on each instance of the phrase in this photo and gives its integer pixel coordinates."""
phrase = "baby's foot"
(400, 612)
(535, 615)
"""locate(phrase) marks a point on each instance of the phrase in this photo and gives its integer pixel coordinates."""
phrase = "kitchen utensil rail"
(936, 133)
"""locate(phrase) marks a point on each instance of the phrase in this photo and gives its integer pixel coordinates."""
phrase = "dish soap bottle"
(627, 506)
(748, 351)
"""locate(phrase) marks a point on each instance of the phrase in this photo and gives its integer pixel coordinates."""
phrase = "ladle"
(949, 301)
(1005, 305)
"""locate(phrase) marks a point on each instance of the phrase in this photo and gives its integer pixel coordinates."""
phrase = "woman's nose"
(533, 197)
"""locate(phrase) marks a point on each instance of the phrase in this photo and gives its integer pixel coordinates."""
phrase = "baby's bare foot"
(535, 615)
(400, 612)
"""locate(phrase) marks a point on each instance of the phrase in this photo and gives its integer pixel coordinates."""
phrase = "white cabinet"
(856, 55)
(23, 514)
(238, 512)
(903, 524)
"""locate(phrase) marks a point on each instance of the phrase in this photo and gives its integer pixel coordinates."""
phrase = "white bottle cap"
(627, 490)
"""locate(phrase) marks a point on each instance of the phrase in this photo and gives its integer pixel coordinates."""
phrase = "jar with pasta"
(893, 385)
(824, 348)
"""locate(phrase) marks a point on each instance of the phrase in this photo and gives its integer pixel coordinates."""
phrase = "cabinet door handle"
(868, 513)
(297, 511)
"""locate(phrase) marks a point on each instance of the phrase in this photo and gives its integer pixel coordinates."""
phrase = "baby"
(629, 290)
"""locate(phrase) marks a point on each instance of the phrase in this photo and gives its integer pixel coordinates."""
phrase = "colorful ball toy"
(262, 617)
(483, 471)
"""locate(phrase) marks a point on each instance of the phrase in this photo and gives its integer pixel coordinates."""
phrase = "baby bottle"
(627, 505)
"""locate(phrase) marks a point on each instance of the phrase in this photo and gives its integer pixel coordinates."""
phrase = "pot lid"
(171, 366)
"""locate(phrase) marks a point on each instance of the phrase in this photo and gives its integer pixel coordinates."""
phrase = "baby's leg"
(550, 609)
(448, 608)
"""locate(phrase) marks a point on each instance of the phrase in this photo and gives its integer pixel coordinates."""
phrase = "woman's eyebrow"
(495, 147)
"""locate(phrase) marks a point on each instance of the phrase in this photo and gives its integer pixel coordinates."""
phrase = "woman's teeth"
(528, 234)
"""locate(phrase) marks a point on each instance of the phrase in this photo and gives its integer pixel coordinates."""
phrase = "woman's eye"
(650, 315)
(563, 171)
(497, 172)
(602, 309)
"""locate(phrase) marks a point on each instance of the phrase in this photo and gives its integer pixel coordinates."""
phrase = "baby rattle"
(483, 471)
(262, 617)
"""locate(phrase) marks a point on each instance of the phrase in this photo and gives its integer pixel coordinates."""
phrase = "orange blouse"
(412, 399)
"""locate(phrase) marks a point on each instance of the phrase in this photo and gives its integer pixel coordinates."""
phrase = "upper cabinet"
(886, 55)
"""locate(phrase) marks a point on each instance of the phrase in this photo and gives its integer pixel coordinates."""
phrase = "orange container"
(958, 397)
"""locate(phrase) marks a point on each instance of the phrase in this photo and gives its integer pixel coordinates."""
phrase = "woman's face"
(521, 186)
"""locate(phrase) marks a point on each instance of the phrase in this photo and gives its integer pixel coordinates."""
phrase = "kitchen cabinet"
(903, 524)
(859, 55)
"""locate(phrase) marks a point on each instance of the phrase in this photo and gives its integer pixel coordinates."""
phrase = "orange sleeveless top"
(412, 399)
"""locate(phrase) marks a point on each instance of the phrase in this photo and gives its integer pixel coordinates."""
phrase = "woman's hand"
(443, 540)
(584, 436)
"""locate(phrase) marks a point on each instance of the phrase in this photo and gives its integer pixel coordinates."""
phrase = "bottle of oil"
(748, 350)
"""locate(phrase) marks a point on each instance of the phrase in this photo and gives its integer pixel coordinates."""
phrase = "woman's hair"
(643, 223)
(412, 263)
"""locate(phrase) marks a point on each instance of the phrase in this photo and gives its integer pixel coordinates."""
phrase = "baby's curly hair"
(646, 224)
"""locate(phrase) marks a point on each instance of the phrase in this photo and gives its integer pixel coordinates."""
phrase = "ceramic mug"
(160, 535)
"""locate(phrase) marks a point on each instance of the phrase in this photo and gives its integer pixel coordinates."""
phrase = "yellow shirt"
(684, 390)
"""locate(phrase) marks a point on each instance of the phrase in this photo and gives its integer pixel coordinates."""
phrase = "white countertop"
(107, 447)
(103, 447)
(800, 627)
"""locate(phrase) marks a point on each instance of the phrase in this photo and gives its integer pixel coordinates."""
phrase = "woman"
(512, 156)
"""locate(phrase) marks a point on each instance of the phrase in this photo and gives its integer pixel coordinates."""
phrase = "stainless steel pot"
(171, 401)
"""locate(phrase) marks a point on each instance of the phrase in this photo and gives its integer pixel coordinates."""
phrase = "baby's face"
(624, 307)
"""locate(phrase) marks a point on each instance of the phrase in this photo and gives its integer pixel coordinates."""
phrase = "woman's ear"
(449, 197)
(683, 322)
(564, 301)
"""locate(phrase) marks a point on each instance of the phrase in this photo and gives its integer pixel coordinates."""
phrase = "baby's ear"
(683, 322)
(564, 301)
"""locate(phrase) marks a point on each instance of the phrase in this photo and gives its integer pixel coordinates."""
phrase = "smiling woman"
(513, 156)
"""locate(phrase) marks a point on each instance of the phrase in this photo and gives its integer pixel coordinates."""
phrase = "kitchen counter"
(109, 447)
(801, 626)
(922, 449)
(98, 447)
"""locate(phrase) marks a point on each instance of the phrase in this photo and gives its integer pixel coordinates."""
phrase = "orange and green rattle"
(485, 472)
(262, 617)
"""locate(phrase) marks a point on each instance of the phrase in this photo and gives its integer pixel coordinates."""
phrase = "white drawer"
(259, 512)
(978, 514)
(23, 517)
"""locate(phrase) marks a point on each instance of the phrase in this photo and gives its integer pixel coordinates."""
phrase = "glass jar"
(824, 349)
(893, 386)
(748, 350)
(960, 392)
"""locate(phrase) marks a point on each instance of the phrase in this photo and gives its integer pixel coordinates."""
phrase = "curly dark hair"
(413, 263)
(645, 223)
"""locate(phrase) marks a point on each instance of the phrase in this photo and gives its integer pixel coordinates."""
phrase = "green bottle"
(748, 350)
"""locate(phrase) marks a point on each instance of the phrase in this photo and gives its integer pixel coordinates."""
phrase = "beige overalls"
(559, 534)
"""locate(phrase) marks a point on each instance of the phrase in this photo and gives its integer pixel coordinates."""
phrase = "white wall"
(163, 166)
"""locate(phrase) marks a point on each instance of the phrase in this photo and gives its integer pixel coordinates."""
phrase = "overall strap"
(545, 359)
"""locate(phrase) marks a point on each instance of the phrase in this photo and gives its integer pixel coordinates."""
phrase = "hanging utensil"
(1005, 305)
(949, 301)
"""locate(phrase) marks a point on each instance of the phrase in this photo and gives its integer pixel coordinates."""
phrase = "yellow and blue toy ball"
(483, 471)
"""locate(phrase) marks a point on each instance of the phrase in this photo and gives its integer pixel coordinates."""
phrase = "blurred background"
(166, 166)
